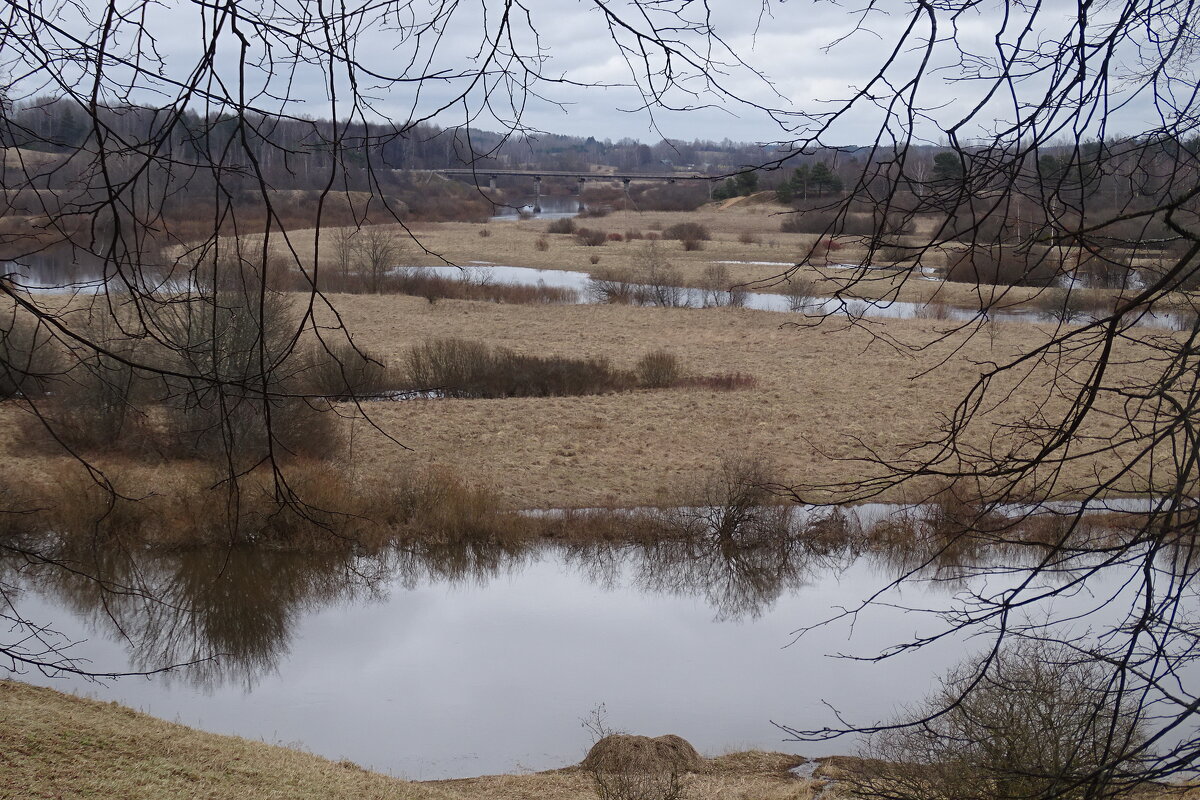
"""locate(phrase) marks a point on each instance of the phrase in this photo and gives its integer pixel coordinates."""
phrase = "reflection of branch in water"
(456, 560)
(233, 610)
(950, 540)
(740, 564)
(236, 605)
(242, 604)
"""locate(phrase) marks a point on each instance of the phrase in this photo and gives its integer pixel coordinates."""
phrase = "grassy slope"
(54, 745)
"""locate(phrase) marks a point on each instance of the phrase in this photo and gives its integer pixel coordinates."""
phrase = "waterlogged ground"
(437, 661)
(581, 283)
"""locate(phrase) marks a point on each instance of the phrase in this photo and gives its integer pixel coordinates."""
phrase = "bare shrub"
(377, 250)
(561, 225)
(893, 253)
(1004, 266)
(593, 259)
(590, 238)
(317, 508)
(541, 244)
(461, 368)
(444, 363)
(1041, 722)
(801, 294)
(102, 403)
(670, 197)
(747, 238)
(484, 233)
(687, 231)
(893, 224)
(614, 287)
(631, 236)
(824, 247)
(239, 407)
(692, 244)
(421, 282)
(615, 237)
(1105, 269)
(658, 369)
(94, 408)
(736, 502)
(821, 221)
(933, 311)
(343, 250)
(1066, 305)
(439, 505)
(660, 280)
(30, 358)
(718, 289)
(341, 371)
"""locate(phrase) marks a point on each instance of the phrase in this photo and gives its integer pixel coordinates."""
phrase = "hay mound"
(621, 752)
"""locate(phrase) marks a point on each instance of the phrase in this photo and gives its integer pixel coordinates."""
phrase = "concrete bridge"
(580, 177)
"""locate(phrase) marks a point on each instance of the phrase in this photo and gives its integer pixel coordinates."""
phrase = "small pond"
(435, 661)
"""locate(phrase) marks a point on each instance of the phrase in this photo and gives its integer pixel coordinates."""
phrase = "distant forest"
(189, 175)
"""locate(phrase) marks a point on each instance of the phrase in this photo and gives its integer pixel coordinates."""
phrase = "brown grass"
(819, 395)
(306, 505)
(515, 243)
(621, 752)
(54, 745)
(817, 391)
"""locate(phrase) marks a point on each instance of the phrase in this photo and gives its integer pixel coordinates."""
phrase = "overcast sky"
(756, 79)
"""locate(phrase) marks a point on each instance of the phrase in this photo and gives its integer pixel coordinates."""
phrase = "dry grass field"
(54, 745)
(740, 233)
(824, 396)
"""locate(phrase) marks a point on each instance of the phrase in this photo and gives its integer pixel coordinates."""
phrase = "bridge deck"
(596, 176)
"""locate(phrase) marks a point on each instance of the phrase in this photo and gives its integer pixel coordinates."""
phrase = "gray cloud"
(799, 59)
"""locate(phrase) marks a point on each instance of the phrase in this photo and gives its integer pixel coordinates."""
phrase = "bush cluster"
(998, 265)
(687, 231)
(470, 369)
(461, 368)
(220, 380)
(420, 282)
(590, 238)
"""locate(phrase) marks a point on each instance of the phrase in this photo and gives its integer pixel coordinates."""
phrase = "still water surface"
(479, 663)
(579, 282)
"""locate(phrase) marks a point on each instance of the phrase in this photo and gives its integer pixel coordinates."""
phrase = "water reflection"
(236, 610)
(740, 569)
(231, 611)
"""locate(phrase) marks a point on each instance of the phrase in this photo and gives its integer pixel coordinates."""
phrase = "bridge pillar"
(492, 182)
(537, 194)
(579, 194)
(628, 201)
